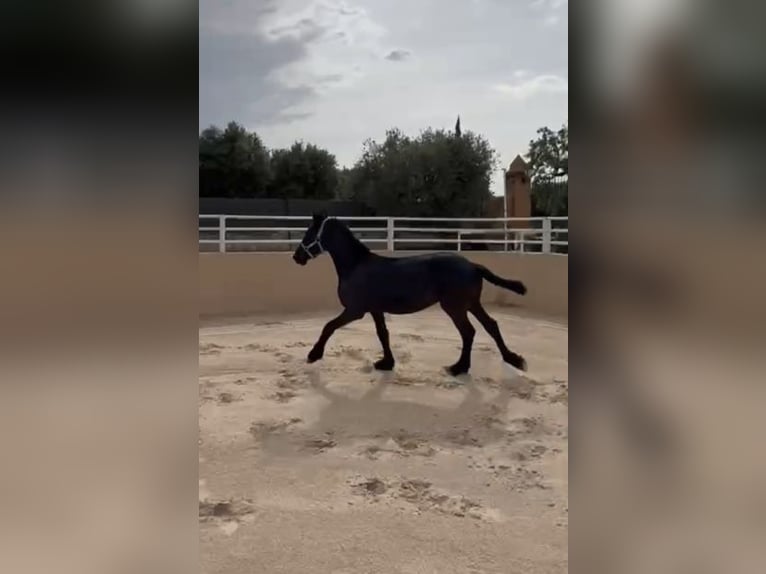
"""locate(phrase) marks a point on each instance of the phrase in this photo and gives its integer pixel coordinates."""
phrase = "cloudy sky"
(336, 72)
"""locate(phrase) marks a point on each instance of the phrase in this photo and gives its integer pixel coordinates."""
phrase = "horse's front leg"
(333, 325)
(387, 362)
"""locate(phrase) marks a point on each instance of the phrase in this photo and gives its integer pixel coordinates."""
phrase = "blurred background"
(668, 277)
(97, 181)
(98, 177)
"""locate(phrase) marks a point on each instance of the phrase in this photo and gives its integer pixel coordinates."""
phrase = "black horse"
(371, 283)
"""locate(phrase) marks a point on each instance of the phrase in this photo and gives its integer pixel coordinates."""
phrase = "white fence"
(236, 233)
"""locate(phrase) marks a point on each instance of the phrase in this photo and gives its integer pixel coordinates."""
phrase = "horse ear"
(318, 217)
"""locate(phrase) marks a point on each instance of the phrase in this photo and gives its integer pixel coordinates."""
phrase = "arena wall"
(263, 283)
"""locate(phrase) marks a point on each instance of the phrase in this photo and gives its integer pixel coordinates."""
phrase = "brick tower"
(518, 202)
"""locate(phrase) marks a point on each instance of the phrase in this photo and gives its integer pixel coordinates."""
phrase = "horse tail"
(510, 284)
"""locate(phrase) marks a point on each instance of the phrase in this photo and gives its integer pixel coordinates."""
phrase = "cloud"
(398, 55)
(233, 16)
(305, 30)
(552, 11)
(551, 20)
(236, 65)
(549, 4)
(266, 62)
(526, 86)
(342, 41)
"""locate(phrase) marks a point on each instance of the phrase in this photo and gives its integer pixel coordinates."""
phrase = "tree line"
(437, 173)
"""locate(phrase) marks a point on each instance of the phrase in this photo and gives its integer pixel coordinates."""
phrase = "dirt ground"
(336, 468)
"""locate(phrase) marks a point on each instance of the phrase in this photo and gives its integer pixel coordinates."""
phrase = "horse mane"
(357, 247)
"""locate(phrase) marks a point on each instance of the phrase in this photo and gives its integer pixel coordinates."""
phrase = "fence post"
(459, 240)
(222, 234)
(546, 235)
(390, 234)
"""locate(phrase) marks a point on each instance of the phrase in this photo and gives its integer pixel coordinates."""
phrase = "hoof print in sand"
(524, 479)
(350, 352)
(529, 452)
(561, 394)
(409, 381)
(226, 398)
(410, 444)
(400, 444)
(450, 384)
(227, 514)
(224, 508)
(525, 426)
(245, 381)
(257, 347)
(522, 388)
(517, 476)
(319, 444)
(462, 437)
(413, 490)
(283, 396)
(370, 487)
(210, 349)
(261, 429)
(296, 345)
(412, 337)
(402, 355)
(290, 380)
(422, 495)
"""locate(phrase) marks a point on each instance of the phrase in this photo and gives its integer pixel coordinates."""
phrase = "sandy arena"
(335, 468)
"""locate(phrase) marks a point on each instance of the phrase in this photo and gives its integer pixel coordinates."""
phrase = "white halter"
(317, 240)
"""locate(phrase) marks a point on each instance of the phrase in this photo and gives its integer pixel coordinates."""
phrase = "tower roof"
(518, 165)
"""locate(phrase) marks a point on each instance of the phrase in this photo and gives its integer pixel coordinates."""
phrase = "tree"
(548, 160)
(303, 171)
(435, 174)
(548, 155)
(232, 163)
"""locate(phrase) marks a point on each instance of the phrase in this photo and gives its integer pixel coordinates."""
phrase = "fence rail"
(237, 233)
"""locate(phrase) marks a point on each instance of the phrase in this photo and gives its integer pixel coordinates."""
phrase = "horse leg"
(387, 362)
(460, 319)
(490, 325)
(333, 325)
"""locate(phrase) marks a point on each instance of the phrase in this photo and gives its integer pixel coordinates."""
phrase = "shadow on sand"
(479, 419)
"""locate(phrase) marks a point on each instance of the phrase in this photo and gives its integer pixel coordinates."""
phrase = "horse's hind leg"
(387, 362)
(460, 318)
(490, 325)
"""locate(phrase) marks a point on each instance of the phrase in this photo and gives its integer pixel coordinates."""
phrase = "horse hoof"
(517, 362)
(314, 356)
(384, 364)
(457, 369)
